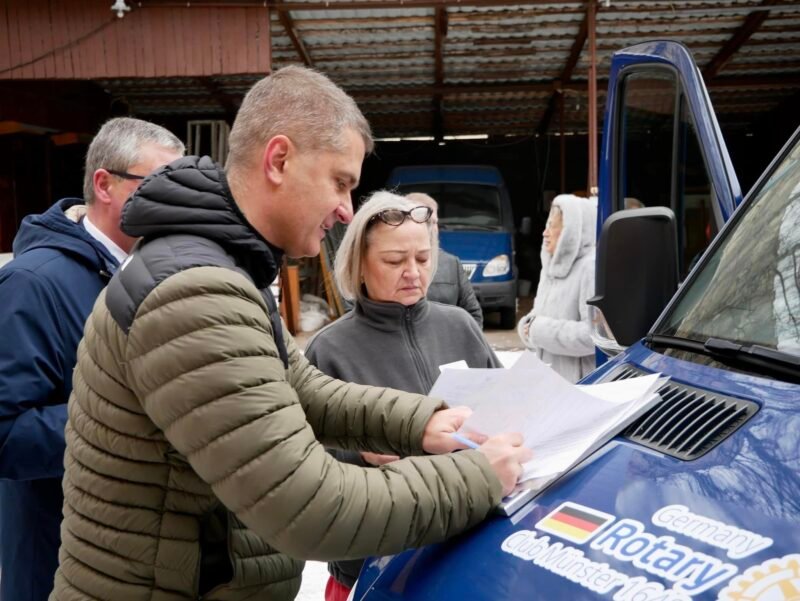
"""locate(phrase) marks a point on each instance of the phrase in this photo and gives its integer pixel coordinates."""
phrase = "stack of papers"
(562, 423)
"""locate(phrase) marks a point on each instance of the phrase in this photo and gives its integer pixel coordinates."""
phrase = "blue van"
(475, 224)
(699, 499)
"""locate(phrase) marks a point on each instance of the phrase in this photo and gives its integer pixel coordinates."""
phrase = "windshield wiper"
(755, 357)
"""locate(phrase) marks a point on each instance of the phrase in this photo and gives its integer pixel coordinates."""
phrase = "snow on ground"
(315, 575)
(508, 358)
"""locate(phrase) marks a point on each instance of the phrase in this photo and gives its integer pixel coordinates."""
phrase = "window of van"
(662, 164)
(462, 206)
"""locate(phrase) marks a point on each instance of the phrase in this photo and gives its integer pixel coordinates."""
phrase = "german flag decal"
(574, 522)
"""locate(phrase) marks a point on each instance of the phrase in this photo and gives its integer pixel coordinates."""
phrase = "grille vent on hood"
(688, 422)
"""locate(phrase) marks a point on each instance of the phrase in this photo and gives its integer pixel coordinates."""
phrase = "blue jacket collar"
(52, 229)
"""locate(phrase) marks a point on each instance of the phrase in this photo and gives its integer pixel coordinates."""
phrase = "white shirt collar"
(116, 252)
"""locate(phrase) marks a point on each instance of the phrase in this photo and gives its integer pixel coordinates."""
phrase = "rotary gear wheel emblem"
(774, 580)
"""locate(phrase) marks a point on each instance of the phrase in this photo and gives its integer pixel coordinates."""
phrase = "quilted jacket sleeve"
(202, 361)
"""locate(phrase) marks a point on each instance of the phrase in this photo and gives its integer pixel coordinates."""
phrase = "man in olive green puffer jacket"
(194, 463)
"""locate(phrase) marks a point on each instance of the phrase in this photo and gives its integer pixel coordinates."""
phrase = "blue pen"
(465, 441)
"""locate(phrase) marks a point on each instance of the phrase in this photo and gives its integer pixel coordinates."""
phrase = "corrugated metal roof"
(500, 65)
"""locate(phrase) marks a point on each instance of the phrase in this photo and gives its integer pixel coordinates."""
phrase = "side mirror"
(636, 275)
(526, 226)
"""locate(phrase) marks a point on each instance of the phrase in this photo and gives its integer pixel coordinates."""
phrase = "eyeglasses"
(125, 174)
(396, 217)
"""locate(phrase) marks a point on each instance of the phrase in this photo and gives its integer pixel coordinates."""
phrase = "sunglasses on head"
(396, 217)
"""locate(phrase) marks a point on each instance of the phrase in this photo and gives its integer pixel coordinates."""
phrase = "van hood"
(635, 525)
(475, 246)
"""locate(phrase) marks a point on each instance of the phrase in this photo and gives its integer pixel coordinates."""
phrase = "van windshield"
(462, 206)
(748, 290)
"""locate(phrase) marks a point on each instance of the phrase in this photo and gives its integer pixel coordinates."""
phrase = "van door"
(662, 146)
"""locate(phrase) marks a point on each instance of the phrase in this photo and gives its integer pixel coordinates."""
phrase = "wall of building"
(84, 39)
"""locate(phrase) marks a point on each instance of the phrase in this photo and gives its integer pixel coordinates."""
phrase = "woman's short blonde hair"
(350, 256)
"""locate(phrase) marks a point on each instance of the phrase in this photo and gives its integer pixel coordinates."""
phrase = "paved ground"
(506, 342)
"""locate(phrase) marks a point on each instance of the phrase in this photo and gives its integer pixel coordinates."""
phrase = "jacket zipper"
(416, 354)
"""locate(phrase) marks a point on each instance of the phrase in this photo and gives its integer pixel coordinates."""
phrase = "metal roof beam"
(566, 74)
(751, 24)
(288, 24)
(440, 32)
(575, 5)
(438, 43)
(282, 5)
(455, 89)
(776, 82)
(177, 96)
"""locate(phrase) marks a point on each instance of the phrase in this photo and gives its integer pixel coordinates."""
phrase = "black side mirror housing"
(637, 270)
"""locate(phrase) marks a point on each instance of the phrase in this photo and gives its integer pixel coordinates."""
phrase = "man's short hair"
(299, 103)
(348, 266)
(118, 145)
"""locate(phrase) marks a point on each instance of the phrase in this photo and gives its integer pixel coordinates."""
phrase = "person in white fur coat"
(558, 327)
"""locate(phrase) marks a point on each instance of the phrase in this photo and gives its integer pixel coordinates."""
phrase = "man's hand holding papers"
(507, 457)
(562, 423)
(437, 437)
(504, 451)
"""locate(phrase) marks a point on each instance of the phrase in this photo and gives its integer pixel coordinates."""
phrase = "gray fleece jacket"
(560, 328)
(397, 346)
(400, 346)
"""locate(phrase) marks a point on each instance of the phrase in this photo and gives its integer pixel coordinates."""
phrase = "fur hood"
(577, 236)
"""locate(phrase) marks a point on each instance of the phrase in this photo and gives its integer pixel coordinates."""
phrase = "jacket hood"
(577, 235)
(191, 196)
(54, 229)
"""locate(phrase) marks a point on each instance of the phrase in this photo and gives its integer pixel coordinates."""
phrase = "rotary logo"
(774, 580)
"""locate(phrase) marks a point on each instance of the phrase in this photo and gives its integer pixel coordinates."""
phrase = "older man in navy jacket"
(63, 259)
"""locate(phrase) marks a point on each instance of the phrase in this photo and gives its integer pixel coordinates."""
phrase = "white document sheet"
(456, 386)
(559, 421)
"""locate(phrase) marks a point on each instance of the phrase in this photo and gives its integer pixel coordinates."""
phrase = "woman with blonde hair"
(393, 336)
(558, 328)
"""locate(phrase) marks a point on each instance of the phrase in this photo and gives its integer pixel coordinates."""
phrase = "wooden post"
(331, 293)
(290, 297)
